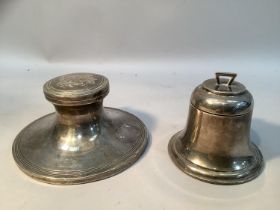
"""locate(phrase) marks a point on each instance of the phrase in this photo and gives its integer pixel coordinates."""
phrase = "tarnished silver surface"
(215, 146)
(82, 141)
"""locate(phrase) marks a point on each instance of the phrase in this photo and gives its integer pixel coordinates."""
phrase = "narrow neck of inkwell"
(78, 127)
(79, 115)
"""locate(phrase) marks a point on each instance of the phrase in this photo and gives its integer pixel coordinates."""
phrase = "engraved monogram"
(75, 81)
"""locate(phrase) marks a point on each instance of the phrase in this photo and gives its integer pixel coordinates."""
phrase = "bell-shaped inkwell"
(215, 145)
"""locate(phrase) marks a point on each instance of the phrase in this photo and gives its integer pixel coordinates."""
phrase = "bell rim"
(216, 177)
(50, 176)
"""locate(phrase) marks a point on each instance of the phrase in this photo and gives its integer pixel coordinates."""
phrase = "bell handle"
(225, 74)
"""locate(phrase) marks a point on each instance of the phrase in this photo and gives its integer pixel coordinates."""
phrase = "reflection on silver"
(83, 141)
(215, 146)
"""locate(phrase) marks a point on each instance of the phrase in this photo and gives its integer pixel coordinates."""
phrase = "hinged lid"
(222, 96)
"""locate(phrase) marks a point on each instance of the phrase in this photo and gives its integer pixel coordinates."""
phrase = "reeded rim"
(85, 176)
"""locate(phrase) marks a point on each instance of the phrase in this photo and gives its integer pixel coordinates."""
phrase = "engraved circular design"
(122, 140)
(76, 82)
(76, 89)
(179, 157)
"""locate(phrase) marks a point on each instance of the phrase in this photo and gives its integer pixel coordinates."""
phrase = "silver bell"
(215, 146)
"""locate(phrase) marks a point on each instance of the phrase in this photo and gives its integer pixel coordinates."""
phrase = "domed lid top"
(76, 89)
(222, 86)
(222, 96)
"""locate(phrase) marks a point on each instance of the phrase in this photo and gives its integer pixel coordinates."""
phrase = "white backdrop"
(154, 53)
(106, 31)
